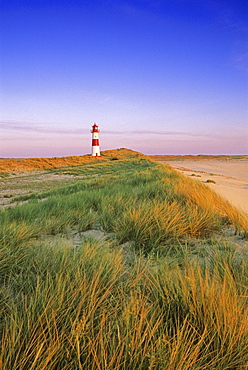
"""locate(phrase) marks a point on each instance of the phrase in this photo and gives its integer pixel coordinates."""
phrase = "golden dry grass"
(209, 200)
(31, 164)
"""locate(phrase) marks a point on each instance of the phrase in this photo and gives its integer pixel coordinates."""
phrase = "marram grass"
(168, 303)
(87, 309)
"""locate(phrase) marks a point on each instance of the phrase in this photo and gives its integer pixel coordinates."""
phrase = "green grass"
(174, 296)
(4, 174)
(193, 174)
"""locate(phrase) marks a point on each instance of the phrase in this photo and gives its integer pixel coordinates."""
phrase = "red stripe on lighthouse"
(95, 142)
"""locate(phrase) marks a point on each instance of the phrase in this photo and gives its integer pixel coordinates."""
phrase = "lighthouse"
(95, 141)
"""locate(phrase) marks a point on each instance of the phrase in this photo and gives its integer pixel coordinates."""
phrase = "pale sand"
(231, 177)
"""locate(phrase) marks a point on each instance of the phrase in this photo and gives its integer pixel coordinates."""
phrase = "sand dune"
(231, 177)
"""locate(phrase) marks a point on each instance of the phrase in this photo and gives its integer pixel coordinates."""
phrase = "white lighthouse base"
(96, 151)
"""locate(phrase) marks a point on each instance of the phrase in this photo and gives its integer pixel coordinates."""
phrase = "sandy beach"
(230, 177)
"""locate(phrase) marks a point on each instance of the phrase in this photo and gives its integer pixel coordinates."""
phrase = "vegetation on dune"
(67, 309)
(31, 164)
(160, 292)
(211, 181)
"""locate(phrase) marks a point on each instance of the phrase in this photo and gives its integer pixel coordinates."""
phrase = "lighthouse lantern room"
(95, 141)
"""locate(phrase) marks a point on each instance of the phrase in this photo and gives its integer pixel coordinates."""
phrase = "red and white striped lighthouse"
(95, 141)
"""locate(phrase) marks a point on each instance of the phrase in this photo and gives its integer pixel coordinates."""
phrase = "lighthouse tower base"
(96, 151)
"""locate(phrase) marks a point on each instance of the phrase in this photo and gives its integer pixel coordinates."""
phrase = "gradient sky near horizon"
(157, 76)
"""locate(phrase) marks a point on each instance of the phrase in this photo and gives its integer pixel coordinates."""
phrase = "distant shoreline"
(199, 157)
(159, 157)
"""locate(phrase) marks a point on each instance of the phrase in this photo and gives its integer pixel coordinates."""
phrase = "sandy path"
(231, 177)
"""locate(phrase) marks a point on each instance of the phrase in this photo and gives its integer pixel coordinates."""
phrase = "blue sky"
(159, 77)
